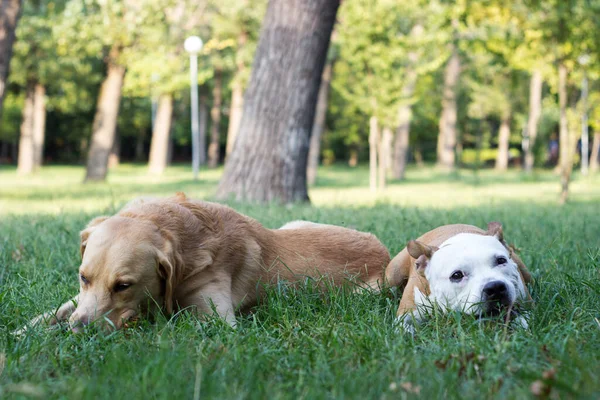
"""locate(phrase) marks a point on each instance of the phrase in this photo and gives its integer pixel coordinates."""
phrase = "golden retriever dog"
(176, 253)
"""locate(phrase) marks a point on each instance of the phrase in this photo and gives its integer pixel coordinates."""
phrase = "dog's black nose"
(495, 291)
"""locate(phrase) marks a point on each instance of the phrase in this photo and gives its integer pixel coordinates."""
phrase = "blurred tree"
(9, 16)
(269, 156)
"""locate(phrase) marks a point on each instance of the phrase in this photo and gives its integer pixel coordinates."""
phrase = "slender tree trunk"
(159, 147)
(447, 135)
(565, 163)
(373, 144)
(26, 143)
(269, 159)
(10, 11)
(405, 110)
(319, 124)
(535, 111)
(385, 158)
(203, 128)
(39, 124)
(503, 143)
(139, 145)
(594, 162)
(105, 122)
(215, 115)
(237, 98)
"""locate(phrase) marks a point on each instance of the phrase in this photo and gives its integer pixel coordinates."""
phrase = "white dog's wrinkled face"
(474, 274)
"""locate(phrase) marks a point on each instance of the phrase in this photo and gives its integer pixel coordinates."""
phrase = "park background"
(385, 116)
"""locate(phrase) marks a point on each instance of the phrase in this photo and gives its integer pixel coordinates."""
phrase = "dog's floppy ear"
(422, 253)
(85, 234)
(494, 228)
(166, 271)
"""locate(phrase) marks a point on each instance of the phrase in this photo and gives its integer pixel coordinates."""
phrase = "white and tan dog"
(461, 268)
(178, 253)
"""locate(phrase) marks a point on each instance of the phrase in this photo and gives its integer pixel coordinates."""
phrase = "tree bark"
(503, 143)
(385, 158)
(594, 162)
(10, 11)
(114, 158)
(26, 164)
(373, 144)
(237, 99)
(215, 116)
(535, 111)
(564, 160)
(447, 135)
(405, 110)
(39, 124)
(105, 122)
(202, 129)
(319, 124)
(269, 158)
(159, 147)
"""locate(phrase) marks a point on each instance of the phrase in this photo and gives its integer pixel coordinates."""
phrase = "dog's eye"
(119, 287)
(457, 276)
(501, 260)
(83, 279)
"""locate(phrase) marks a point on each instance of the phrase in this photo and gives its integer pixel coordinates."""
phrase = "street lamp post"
(193, 45)
(584, 60)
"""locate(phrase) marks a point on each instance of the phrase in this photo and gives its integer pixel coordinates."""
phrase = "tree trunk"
(373, 144)
(535, 111)
(594, 162)
(237, 99)
(564, 160)
(447, 135)
(114, 158)
(405, 111)
(269, 159)
(10, 11)
(26, 143)
(39, 124)
(385, 158)
(105, 123)
(319, 124)
(203, 122)
(159, 147)
(215, 116)
(139, 145)
(503, 143)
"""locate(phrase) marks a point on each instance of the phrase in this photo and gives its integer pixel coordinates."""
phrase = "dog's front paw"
(405, 323)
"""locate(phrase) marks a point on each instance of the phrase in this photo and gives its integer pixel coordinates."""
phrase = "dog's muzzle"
(495, 297)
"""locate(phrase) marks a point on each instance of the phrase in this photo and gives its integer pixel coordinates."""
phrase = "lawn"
(298, 343)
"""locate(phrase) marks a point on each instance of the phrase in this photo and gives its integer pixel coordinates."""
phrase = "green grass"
(299, 343)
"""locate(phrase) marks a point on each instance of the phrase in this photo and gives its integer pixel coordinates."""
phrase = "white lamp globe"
(193, 44)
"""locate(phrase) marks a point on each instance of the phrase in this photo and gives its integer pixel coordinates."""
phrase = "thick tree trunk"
(26, 164)
(114, 158)
(405, 111)
(10, 11)
(105, 123)
(373, 144)
(203, 128)
(385, 157)
(447, 135)
(535, 111)
(269, 158)
(215, 116)
(237, 99)
(159, 147)
(594, 162)
(39, 124)
(319, 124)
(565, 163)
(503, 143)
